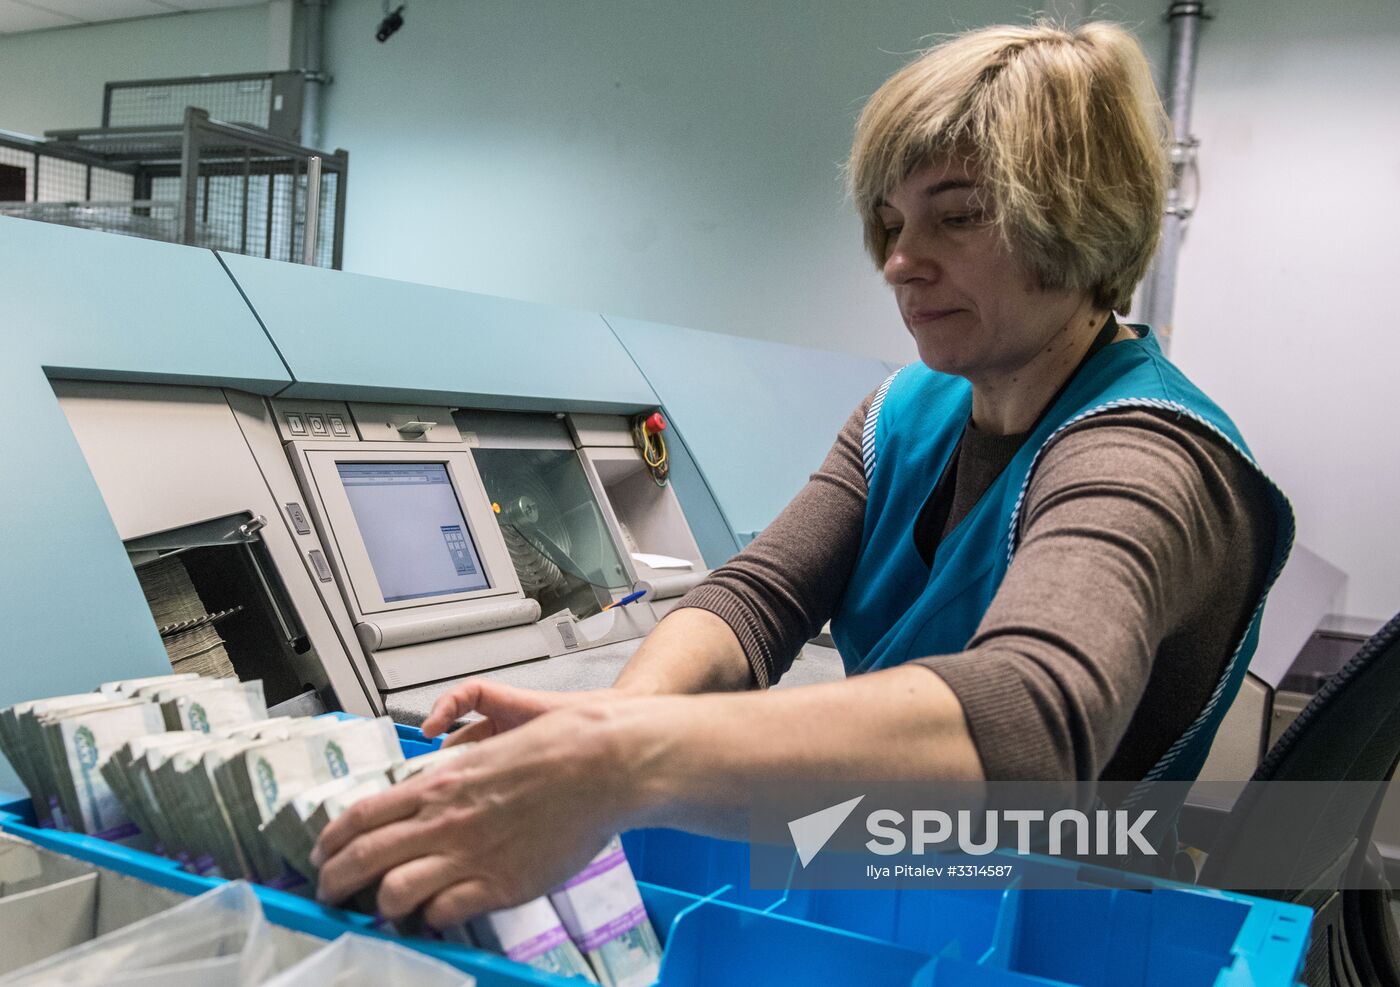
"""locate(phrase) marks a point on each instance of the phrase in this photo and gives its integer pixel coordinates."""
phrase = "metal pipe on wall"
(1185, 17)
(313, 69)
(311, 225)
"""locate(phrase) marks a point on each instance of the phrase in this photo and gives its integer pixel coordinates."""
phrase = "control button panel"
(298, 518)
(299, 418)
(318, 562)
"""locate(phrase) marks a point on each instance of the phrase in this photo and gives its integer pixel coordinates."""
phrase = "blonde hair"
(1067, 130)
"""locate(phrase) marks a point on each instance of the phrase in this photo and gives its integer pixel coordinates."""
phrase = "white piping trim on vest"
(1165, 762)
(867, 437)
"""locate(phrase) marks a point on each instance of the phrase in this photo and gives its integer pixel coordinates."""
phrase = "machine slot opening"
(650, 518)
(219, 606)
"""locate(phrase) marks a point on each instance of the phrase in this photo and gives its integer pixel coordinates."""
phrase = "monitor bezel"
(346, 543)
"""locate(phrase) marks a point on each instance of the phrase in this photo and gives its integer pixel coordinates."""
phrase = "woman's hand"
(511, 819)
(526, 809)
(502, 707)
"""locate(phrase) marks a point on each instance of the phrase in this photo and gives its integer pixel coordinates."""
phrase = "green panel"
(108, 307)
(758, 417)
(70, 605)
(354, 337)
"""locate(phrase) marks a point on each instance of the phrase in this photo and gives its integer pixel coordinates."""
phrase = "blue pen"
(632, 597)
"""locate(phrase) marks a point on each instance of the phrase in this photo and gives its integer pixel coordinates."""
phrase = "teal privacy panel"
(101, 306)
(707, 523)
(70, 605)
(352, 336)
(757, 416)
(96, 306)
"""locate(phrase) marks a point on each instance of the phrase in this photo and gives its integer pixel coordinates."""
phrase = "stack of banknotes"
(193, 768)
(59, 746)
(593, 927)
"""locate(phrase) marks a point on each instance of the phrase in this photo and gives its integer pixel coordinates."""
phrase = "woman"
(1042, 549)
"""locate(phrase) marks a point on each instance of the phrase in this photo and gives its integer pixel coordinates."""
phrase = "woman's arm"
(689, 651)
(522, 812)
(1143, 549)
(696, 763)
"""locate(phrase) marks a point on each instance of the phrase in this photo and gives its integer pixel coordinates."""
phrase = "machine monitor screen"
(413, 529)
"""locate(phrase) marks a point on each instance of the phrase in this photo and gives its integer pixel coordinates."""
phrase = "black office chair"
(1349, 733)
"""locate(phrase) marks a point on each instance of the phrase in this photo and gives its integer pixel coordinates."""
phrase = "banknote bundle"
(531, 933)
(192, 642)
(69, 750)
(19, 737)
(259, 782)
(602, 910)
(72, 752)
(58, 746)
(205, 704)
(298, 824)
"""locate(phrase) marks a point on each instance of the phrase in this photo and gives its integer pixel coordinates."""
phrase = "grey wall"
(1282, 310)
(51, 80)
(662, 159)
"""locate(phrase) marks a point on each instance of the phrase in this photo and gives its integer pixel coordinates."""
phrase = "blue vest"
(897, 608)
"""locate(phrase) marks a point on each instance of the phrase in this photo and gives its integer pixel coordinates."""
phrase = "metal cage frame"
(188, 152)
(285, 95)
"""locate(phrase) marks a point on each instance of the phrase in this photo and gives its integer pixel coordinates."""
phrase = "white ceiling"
(37, 15)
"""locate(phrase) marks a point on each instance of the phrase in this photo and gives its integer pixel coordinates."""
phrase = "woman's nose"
(909, 260)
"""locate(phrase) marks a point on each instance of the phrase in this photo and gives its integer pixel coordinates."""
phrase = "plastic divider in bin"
(1165, 937)
(944, 971)
(412, 741)
(717, 943)
(961, 923)
(711, 868)
(664, 906)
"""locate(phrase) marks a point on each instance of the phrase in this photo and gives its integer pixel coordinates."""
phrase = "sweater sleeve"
(778, 592)
(1137, 526)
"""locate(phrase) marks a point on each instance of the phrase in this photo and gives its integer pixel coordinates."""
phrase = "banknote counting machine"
(359, 490)
(384, 545)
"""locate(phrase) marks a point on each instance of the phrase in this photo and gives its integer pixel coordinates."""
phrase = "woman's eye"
(959, 220)
(892, 231)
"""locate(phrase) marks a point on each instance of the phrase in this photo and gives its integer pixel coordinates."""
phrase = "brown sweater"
(1143, 545)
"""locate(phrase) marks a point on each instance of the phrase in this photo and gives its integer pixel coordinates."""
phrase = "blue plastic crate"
(1100, 933)
(717, 930)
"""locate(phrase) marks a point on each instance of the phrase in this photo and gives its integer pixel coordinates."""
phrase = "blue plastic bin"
(1153, 934)
(719, 931)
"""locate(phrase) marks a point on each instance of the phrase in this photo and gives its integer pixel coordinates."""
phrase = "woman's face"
(971, 308)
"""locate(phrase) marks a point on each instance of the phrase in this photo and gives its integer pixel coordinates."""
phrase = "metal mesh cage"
(204, 183)
(270, 100)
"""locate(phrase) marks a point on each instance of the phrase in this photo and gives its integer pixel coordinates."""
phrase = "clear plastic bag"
(357, 961)
(219, 939)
